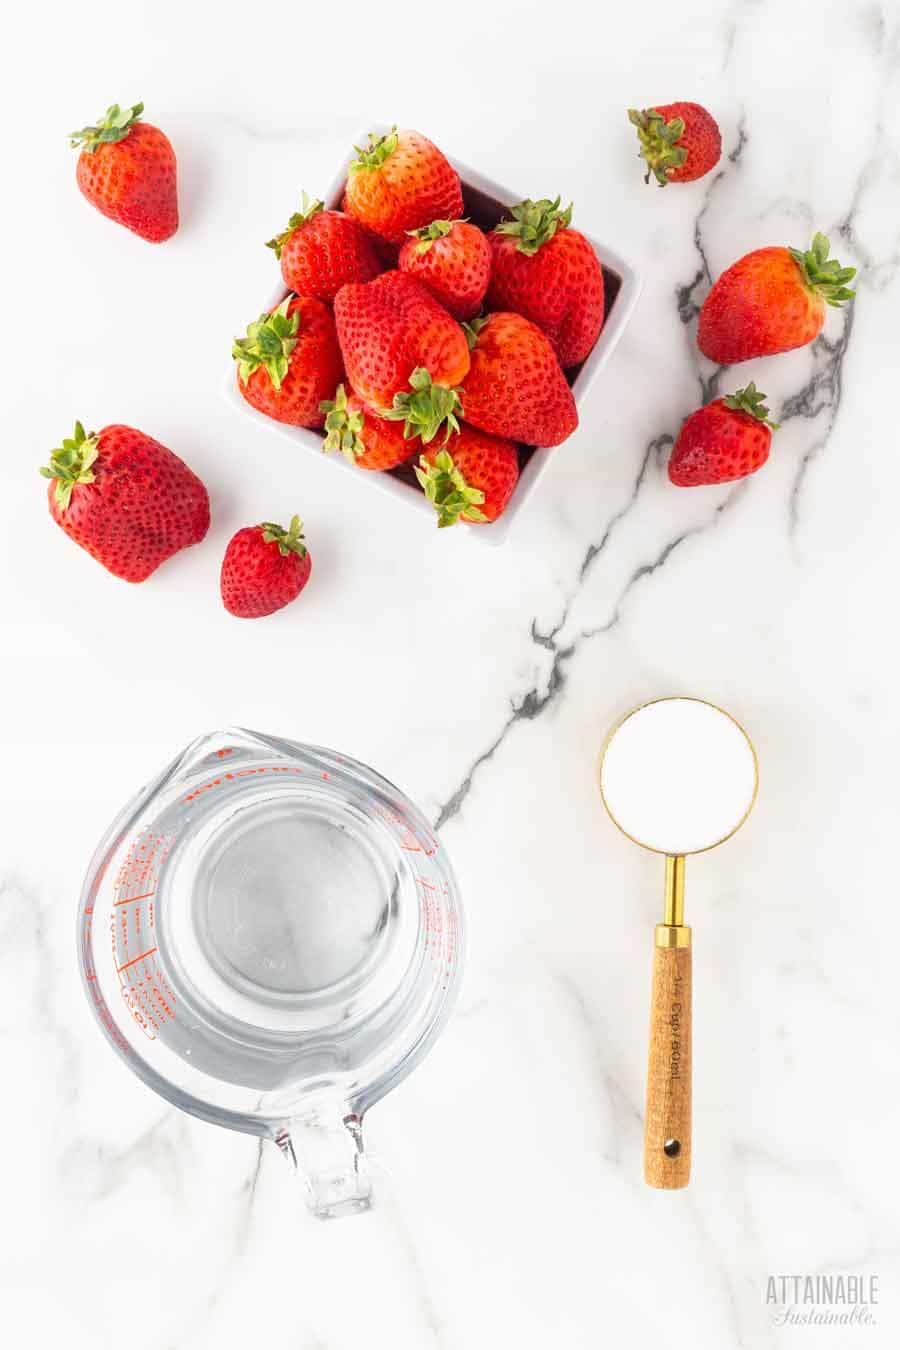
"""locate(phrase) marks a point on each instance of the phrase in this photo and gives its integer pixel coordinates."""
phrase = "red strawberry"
(453, 260)
(321, 251)
(770, 301)
(515, 387)
(265, 567)
(399, 183)
(470, 478)
(289, 361)
(127, 170)
(550, 273)
(126, 499)
(679, 141)
(392, 327)
(366, 440)
(726, 439)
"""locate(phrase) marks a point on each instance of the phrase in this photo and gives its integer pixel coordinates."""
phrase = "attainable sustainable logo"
(822, 1300)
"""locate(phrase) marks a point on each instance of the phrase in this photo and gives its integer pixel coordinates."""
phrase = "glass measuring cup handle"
(324, 1145)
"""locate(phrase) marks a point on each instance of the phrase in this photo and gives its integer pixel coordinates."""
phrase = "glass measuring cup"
(270, 936)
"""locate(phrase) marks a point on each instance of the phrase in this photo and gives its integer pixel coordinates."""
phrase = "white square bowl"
(484, 203)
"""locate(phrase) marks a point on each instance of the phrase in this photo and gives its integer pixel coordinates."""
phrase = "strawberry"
(453, 260)
(289, 361)
(127, 170)
(365, 439)
(728, 438)
(515, 387)
(679, 141)
(550, 273)
(392, 327)
(265, 567)
(470, 478)
(771, 300)
(399, 183)
(320, 251)
(126, 499)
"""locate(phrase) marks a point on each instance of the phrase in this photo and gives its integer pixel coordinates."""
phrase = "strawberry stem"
(373, 155)
(447, 490)
(72, 463)
(425, 408)
(343, 426)
(114, 126)
(473, 328)
(535, 223)
(659, 142)
(309, 207)
(288, 540)
(824, 275)
(750, 400)
(268, 344)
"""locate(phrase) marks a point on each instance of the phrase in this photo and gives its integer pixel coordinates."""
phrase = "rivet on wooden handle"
(667, 1124)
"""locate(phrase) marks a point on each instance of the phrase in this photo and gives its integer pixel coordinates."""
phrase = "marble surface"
(512, 1210)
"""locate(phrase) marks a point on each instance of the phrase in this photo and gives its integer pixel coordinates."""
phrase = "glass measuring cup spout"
(270, 936)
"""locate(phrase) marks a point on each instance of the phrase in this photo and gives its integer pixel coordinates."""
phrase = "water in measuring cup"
(293, 904)
(270, 931)
(287, 919)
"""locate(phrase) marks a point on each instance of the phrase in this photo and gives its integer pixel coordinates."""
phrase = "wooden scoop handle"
(667, 1123)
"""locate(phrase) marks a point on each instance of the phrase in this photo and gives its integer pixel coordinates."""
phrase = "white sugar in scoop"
(677, 776)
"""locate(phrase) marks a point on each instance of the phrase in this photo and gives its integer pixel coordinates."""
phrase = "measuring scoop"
(677, 776)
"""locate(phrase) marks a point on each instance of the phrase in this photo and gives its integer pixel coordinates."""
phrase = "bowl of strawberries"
(433, 328)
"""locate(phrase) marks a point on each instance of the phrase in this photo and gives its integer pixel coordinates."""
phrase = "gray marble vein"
(819, 397)
(535, 701)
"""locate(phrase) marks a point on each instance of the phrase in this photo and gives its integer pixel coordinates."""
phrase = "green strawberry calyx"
(822, 274)
(750, 400)
(659, 142)
(343, 426)
(288, 540)
(426, 407)
(438, 229)
(473, 328)
(72, 463)
(309, 207)
(114, 126)
(447, 490)
(268, 344)
(535, 223)
(373, 155)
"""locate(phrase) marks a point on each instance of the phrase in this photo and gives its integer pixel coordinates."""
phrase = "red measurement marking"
(405, 833)
(239, 773)
(129, 900)
(135, 959)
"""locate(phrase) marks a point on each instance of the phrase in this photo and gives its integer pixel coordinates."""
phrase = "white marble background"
(513, 1211)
